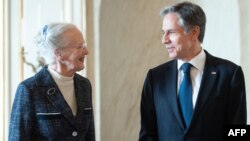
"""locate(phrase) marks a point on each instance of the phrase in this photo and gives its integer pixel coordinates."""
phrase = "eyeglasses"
(79, 46)
(82, 45)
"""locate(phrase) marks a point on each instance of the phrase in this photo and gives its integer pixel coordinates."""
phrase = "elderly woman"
(56, 103)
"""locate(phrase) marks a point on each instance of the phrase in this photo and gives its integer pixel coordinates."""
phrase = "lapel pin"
(51, 91)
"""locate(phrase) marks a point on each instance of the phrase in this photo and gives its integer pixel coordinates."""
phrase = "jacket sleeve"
(20, 122)
(148, 131)
(237, 111)
(90, 136)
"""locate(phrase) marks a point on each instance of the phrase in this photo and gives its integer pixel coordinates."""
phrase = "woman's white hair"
(51, 37)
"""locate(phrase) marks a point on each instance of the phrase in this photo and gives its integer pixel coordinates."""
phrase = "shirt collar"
(198, 61)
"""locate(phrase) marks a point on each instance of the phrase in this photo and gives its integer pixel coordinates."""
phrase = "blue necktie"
(185, 94)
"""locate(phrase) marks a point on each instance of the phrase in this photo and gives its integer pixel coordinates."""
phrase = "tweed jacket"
(40, 112)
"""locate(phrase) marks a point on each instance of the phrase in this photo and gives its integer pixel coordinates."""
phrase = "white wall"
(222, 37)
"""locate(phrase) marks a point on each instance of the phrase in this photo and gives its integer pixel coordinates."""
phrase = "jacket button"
(74, 133)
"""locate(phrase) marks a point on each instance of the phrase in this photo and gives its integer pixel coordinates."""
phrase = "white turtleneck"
(66, 86)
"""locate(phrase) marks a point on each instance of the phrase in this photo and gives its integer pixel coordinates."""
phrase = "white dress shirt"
(196, 73)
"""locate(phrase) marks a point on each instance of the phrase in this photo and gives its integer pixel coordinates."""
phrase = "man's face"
(175, 39)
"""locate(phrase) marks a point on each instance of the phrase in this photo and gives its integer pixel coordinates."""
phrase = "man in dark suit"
(193, 104)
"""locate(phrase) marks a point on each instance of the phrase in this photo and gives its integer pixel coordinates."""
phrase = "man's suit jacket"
(221, 101)
(40, 112)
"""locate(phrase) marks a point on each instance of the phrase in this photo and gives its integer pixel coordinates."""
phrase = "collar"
(58, 76)
(198, 61)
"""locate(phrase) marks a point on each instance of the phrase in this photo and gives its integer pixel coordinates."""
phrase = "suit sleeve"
(148, 131)
(20, 122)
(237, 111)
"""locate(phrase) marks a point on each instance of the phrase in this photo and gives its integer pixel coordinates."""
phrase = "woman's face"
(71, 58)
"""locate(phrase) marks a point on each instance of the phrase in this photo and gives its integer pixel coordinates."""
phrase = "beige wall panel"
(130, 44)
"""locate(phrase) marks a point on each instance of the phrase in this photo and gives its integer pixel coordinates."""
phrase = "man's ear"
(195, 32)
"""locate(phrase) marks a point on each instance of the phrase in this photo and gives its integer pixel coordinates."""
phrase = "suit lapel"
(171, 91)
(82, 90)
(59, 102)
(210, 74)
(54, 95)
